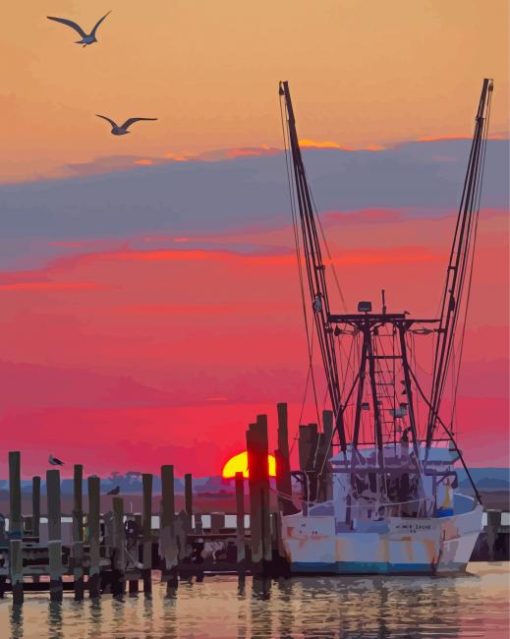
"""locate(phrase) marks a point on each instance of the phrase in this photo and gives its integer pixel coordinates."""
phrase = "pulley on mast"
(461, 258)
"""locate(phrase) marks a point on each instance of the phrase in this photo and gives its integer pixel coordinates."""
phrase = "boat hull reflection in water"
(377, 607)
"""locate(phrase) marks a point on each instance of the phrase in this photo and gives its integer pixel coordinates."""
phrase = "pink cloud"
(183, 324)
(365, 216)
(147, 437)
(50, 286)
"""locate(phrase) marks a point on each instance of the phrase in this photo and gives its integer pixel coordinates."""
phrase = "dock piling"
(77, 548)
(188, 498)
(217, 522)
(15, 528)
(327, 426)
(167, 536)
(280, 563)
(240, 536)
(36, 506)
(255, 497)
(133, 587)
(119, 552)
(54, 534)
(283, 478)
(493, 524)
(308, 437)
(94, 488)
(147, 533)
(260, 526)
(264, 479)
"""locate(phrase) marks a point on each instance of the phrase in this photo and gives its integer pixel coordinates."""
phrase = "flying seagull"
(54, 461)
(86, 39)
(114, 491)
(122, 130)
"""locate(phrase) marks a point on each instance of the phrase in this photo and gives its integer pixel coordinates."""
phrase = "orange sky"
(130, 308)
(362, 73)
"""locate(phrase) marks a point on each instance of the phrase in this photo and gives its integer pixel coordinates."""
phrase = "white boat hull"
(395, 546)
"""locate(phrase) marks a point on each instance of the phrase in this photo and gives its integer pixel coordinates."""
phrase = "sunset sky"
(149, 300)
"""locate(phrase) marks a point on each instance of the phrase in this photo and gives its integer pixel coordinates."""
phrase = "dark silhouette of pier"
(115, 552)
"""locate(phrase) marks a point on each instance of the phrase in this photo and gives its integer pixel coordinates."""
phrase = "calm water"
(474, 605)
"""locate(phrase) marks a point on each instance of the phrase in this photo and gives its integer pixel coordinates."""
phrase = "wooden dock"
(93, 553)
(116, 552)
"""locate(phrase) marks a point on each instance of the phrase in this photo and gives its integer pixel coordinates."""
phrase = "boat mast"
(461, 258)
(315, 269)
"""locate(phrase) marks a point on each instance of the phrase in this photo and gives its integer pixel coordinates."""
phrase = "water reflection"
(169, 616)
(375, 608)
(16, 619)
(285, 608)
(261, 608)
(261, 588)
(147, 607)
(95, 617)
(55, 620)
(119, 614)
(241, 586)
(311, 608)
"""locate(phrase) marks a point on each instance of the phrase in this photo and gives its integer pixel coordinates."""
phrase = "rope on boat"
(450, 436)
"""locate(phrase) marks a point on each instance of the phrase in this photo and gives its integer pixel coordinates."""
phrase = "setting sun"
(239, 464)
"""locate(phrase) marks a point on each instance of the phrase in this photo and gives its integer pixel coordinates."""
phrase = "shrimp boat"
(378, 479)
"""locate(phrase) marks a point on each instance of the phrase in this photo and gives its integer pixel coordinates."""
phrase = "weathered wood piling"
(240, 536)
(308, 437)
(217, 522)
(167, 537)
(77, 548)
(260, 524)
(94, 492)
(147, 537)
(54, 534)
(36, 506)
(15, 528)
(326, 453)
(282, 456)
(493, 525)
(119, 549)
(188, 497)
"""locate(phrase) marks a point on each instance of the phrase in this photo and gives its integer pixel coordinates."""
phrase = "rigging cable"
(309, 338)
(314, 268)
(460, 256)
(328, 252)
(450, 436)
(471, 266)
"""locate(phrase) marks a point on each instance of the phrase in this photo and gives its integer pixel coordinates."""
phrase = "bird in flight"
(54, 461)
(86, 38)
(123, 129)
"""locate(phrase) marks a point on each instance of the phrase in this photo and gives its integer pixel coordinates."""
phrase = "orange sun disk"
(239, 464)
